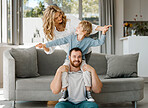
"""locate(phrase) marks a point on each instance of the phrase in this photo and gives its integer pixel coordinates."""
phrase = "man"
(76, 88)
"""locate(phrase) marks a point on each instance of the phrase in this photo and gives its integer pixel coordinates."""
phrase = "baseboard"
(145, 79)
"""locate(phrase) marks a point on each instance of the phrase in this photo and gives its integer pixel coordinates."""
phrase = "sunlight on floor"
(2, 106)
(1, 91)
(1, 94)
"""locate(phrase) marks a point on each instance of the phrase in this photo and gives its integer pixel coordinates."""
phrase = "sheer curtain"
(106, 17)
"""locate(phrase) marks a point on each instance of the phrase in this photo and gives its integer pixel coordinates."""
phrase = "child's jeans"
(86, 75)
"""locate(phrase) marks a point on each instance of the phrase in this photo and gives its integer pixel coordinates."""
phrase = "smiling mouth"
(76, 62)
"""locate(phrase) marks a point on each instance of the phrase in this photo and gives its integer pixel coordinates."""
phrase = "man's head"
(84, 28)
(75, 57)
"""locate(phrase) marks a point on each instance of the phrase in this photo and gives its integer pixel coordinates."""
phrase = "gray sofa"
(38, 88)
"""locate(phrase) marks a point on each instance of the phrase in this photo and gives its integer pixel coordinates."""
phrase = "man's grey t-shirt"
(76, 87)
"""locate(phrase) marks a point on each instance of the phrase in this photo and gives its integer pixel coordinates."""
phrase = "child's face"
(79, 30)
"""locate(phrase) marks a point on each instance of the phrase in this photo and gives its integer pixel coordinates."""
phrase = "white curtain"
(106, 17)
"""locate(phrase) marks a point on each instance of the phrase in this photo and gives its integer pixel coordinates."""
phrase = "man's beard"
(78, 65)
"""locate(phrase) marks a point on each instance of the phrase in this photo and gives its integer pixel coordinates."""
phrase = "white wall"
(29, 28)
(119, 18)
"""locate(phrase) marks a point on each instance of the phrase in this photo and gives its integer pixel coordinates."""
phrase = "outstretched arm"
(96, 28)
(56, 42)
(102, 28)
(100, 41)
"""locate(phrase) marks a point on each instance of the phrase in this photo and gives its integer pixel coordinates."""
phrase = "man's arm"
(96, 83)
(56, 84)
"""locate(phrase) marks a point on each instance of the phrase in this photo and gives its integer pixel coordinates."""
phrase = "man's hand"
(87, 67)
(63, 68)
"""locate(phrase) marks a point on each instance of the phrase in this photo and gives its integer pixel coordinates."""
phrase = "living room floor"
(27, 104)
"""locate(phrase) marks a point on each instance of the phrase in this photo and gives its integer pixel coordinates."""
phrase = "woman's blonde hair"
(87, 26)
(48, 21)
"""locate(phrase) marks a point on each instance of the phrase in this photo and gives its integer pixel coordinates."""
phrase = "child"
(83, 30)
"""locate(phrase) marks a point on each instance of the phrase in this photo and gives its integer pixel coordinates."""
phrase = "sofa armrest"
(8, 76)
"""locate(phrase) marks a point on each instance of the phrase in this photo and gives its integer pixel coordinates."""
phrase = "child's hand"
(106, 27)
(40, 45)
(45, 48)
(104, 31)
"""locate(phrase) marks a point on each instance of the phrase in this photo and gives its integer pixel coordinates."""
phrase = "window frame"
(0, 21)
(4, 21)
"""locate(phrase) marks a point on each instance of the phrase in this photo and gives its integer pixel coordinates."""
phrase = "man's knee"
(60, 105)
(94, 105)
(91, 105)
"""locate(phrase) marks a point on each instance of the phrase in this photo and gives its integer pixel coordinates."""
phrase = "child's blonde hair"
(87, 26)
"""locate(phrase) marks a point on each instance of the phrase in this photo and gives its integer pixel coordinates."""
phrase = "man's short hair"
(75, 49)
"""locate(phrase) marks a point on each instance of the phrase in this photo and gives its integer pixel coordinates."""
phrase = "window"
(32, 14)
(32, 22)
(6, 21)
(68, 6)
(90, 11)
(9, 21)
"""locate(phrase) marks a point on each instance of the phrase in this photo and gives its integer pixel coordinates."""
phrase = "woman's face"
(58, 17)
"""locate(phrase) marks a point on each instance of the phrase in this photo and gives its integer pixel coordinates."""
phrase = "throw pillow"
(25, 62)
(122, 65)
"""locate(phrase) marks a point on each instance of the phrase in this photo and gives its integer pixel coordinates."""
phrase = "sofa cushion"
(49, 63)
(25, 62)
(99, 63)
(42, 83)
(121, 84)
(122, 65)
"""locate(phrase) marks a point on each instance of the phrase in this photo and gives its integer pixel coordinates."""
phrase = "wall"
(119, 18)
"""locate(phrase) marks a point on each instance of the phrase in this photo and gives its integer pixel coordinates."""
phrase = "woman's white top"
(70, 29)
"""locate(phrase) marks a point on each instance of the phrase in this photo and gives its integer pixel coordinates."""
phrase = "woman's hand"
(40, 45)
(45, 48)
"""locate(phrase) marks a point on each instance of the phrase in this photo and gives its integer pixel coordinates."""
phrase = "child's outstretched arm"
(101, 28)
(100, 41)
(56, 42)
